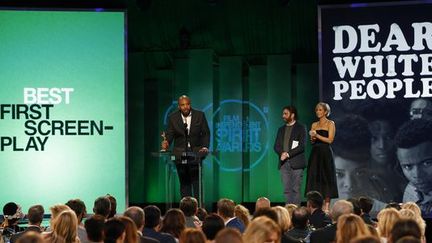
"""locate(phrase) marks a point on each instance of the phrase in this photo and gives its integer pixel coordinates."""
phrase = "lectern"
(186, 158)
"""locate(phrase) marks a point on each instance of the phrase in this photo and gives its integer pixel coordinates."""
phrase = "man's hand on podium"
(164, 145)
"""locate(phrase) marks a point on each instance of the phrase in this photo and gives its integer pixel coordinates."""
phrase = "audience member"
(317, 217)
(273, 215)
(408, 239)
(283, 218)
(173, 222)
(202, 214)
(262, 229)
(31, 237)
(212, 224)
(79, 208)
(189, 206)
(35, 216)
(290, 207)
(113, 205)
(386, 220)
(114, 231)
(299, 219)
(366, 205)
(409, 214)
(269, 212)
(350, 226)
(152, 221)
(412, 206)
(192, 235)
(404, 227)
(262, 202)
(64, 228)
(328, 233)
(130, 230)
(136, 214)
(225, 209)
(228, 235)
(94, 228)
(242, 213)
(356, 206)
(11, 213)
(102, 206)
(55, 211)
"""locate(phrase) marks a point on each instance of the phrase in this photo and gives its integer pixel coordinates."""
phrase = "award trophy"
(163, 135)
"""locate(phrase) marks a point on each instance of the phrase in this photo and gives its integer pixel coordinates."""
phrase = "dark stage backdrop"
(375, 70)
(242, 99)
(248, 58)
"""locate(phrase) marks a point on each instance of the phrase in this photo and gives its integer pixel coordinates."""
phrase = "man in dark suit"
(299, 219)
(35, 216)
(290, 147)
(366, 205)
(189, 130)
(225, 209)
(152, 221)
(317, 218)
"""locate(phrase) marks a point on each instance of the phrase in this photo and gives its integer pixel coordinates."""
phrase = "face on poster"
(376, 74)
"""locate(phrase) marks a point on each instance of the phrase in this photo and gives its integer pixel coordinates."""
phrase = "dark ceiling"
(229, 27)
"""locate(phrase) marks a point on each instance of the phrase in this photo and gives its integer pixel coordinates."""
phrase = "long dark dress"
(321, 173)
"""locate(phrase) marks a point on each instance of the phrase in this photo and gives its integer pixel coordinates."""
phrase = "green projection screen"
(62, 99)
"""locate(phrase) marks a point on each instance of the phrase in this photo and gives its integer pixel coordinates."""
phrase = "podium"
(185, 158)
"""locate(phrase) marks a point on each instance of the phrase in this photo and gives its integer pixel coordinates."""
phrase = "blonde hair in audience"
(412, 206)
(192, 235)
(284, 219)
(242, 213)
(386, 220)
(373, 231)
(65, 227)
(350, 226)
(407, 213)
(57, 209)
(130, 229)
(260, 230)
(290, 207)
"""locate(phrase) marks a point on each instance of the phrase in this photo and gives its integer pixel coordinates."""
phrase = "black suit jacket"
(324, 235)
(319, 219)
(199, 134)
(145, 239)
(161, 237)
(297, 158)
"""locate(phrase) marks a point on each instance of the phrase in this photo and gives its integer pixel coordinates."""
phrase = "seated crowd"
(347, 222)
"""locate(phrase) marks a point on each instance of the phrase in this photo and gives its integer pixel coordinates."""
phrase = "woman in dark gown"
(321, 173)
